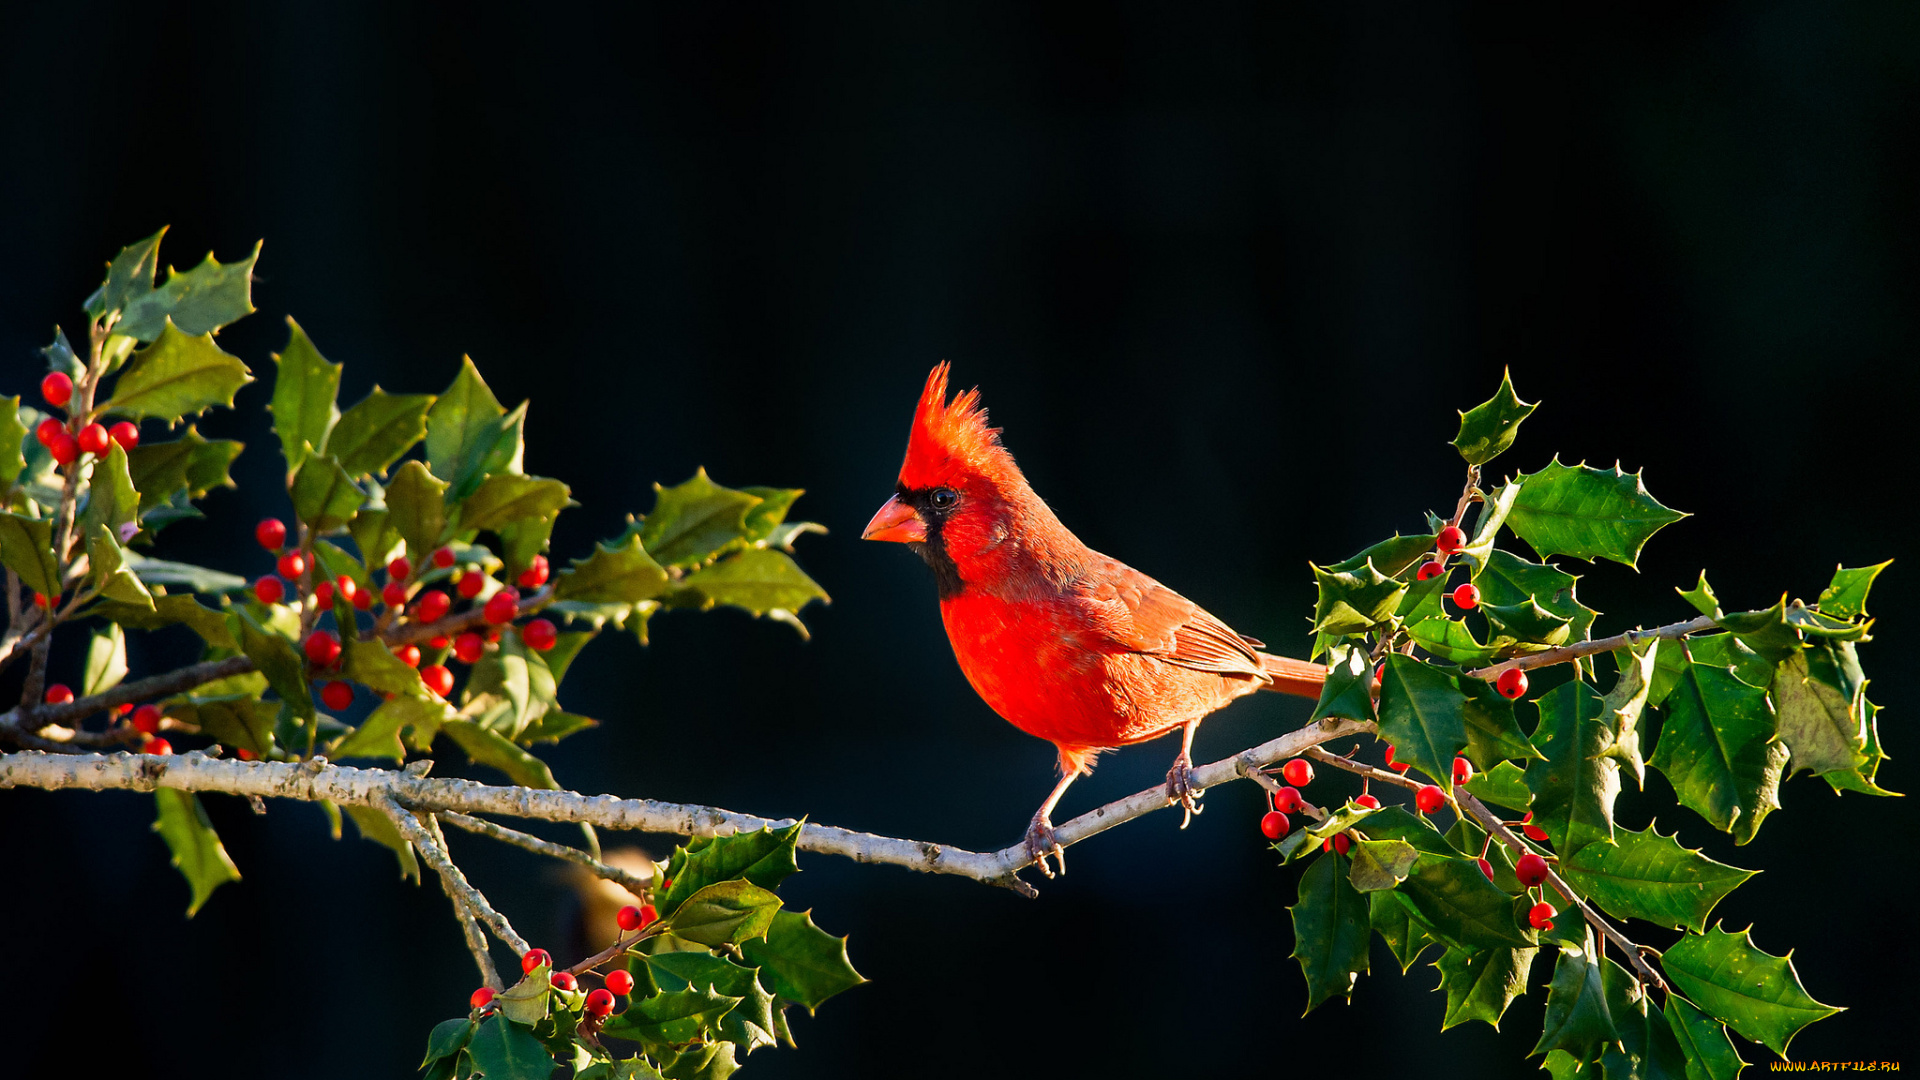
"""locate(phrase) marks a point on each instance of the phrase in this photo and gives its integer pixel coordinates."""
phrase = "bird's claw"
(1180, 789)
(1042, 845)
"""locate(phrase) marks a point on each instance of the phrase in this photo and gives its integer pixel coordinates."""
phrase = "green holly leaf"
(518, 679)
(1587, 513)
(178, 375)
(1527, 622)
(13, 433)
(1460, 907)
(211, 625)
(303, 406)
(1767, 632)
(1493, 735)
(763, 857)
(762, 581)
(1756, 994)
(1450, 640)
(379, 828)
(1578, 1020)
(1330, 931)
(709, 1061)
(1710, 1054)
(725, 913)
(1503, 785)
(106, 661)
(373, 434)
(111, 498)
(1862, 778)
(1486, 523)
(1379, 864)
(1507, 580)
(129, 276)
(447, 1038)
(189, 464)
(1845, 597)
(199, 301)
(324, 496)
(799, 961)
(469, 434)
(197, 851)
(1354, 601)
(487, 747)
(1480, 985)
(1391, 557)
(1817, 695)
(617, 572)
(233, 720)
(280, 661)
(1487, 429)
(416, 508)
(504, 1050)
(695, 521)
(107, 565)
(378, 736)
(26, 546)
(749, 1024)
(508, 497)
(1711, 650)
(1643, 875)
(1312, 834)
(1348, 691)
(1645, 1036)
(1398, 823)
(184, 575)
(671, 1017)
(1623, 706)
(1422, 715)
(557, 724)
(1717, 747)
(1702, 598)
(1399, 927)
(521, 540)
(1575, 786)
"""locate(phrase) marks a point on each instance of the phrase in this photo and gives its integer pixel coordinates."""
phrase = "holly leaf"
(1348, 691)
(303, 397)
(324, 496)
(1330, 931)
(504, 1050)
(1480, 985)
(106, 662)
(199, 301)
(1460, 906)
(557, 724)
(725, 913)
(26, 547)
(1312, 834)
(1354, 601)
(1587, 513)
(1578, 1020)
(1527, 622)
(189, 464)
(1575, 786)
(1645, 1036)
(111, 498)
(799, 961)
(1390, 557)
(1487, 429)
(762, 581)
(1493, 735)
(185, 575)
(180, 374)
(1817, 696)
(1754, 993)
(617, 572)
(1862, 778)
(1503, 785)
(1450, 640)
(485, 746)
(1643, 875)
(373, 434)
(129, 276)
(1422, 715)
(416, 508)
(1506, 581)
(1717, 747)
(1621, 709)
(233, 720)
(277, 658)
(1404, 933)
(1845, 597)
(197, 851)
(1710, 1054)
(107, 565)
(696, 520)
(1767, 632)
(1379, 864)
(508, 497)
(749, 1024)
(1486, 523)
(763, 857)
(378, 736)
(469, 434)
(211, 625)
(13, 434)
(671, 1017)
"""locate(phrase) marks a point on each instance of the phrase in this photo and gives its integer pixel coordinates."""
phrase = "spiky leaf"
(1348, 691)
(617, 572)
(1575, 786)
(762, 581)
(1503, 785)
(324, 496)
(178, 375)
(1460, 906)
(1845, 597)
(1480, 985)
(198, 301)
(1354, 601)
(1404, 933)
(303, 406)
(801, 962)
(1717, 747)
(469, 434)
(508, 497)
(1587, 513)
(197, 851)
(1330, 930)
(373, 434)
(1755, 993)
(1710, 1054)
(725, 913)
(695, 521)
(487, 747)
(504, 1050)
(1487, 429)
(1817, 700)
(26, 546)
(1578, 1020)
(12, 434)
(189, 464)
(1643, 875)
(1422, 715)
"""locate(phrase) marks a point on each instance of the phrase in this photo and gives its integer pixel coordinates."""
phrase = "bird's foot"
(1180, 789)
(1042, 845)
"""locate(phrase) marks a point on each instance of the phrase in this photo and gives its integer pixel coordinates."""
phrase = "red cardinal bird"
(1062, 641)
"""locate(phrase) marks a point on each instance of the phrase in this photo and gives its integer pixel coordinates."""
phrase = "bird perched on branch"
(1063, 642)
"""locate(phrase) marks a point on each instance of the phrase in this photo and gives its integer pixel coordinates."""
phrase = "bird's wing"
(1144, 616)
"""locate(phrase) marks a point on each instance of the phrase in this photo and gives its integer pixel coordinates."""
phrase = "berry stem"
(633, 883)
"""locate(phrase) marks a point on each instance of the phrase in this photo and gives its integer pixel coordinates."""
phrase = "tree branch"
(29, 716)
(1599, 645)
(434, 851)
(633, 883)
(469, 926)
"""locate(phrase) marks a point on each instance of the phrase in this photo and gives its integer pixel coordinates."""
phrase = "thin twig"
(620, 945)
(1599, 645)
(30, 718)
(469, 926)
(633, 883)
(436, 856)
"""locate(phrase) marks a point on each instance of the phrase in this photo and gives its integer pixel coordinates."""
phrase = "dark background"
(1224, 271)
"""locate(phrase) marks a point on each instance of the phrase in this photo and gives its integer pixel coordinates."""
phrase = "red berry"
(123, 708)
(245, 754)
(1531, 869)
(348, 589)
(443, 558)
(269, 590)
(1535, 833)
(1367, 801)
(124, 433)
(628, 918)
(1462, 770)
(502, 607)
(271, 533)
(1341, 842)
(323, 594)
(535, 575)
(481, 998)
(1485, 867)
(59, 694)
(146, 719)
(1430, 570)
(57, 388)
(362, 599)
(437, 641)
(1298, 772)
(394, 595)
(157, 746)
(64, 448)
(1396, 766)
(493, 635)
(1429, 798)
(468, 647)
(564, 980)
(438, 679)
(1467, 596)
(1287, 800)
(470, 584)
(322, 647)
(534, 958)
(539, 635)
(600, 1003)
(430, 605)
(336, 695)
(47, 429)
(1274, 824)
(399, 569)
(647, 913)
(94, 439)
(1541, 916)
(1379, 674)
(40, 600)
(620, 981)
(408, 654)
(292, 565)
(1512, 683)
(1450, 540)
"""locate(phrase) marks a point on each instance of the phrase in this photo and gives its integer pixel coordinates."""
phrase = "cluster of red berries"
(66, 445)
(599, 1003)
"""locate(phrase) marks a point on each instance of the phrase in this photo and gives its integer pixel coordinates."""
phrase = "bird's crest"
(951, 439)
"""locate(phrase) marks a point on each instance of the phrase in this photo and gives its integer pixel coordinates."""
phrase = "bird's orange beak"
(898, 522)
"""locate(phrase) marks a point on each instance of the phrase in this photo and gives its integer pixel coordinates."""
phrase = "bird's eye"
(943, 498)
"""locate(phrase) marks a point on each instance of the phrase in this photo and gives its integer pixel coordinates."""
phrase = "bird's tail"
(1300, 678)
